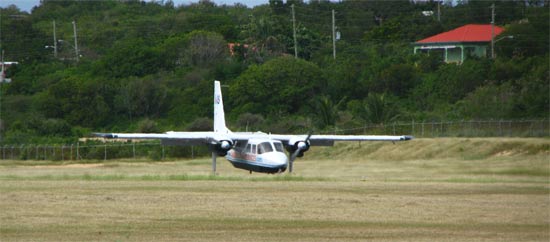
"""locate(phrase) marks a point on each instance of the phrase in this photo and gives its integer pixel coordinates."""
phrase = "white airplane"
(252, 151)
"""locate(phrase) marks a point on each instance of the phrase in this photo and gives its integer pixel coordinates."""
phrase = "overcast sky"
(27, 5)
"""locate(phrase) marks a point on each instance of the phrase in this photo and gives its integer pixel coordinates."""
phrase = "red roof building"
(457, 44)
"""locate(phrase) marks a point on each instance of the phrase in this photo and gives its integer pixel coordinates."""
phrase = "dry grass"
(365, 194)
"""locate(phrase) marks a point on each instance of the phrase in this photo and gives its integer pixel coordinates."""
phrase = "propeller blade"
(309, 136)
(214, 155)
(292, 158)
(297, 152)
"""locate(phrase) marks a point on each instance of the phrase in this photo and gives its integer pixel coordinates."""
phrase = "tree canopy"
(149, 65)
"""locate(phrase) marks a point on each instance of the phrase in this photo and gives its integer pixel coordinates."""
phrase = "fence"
(93, 150)
(99, 151)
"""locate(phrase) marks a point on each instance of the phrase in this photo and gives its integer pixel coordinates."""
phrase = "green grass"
(184, 177)
(426, 189)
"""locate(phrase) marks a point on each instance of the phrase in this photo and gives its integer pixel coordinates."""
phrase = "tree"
(281, 86)
(129, 58)
(204, 48)
(326, 112)
(530, 38)
(397, 79)
(144, 97)
(375, 109)
(489, 102)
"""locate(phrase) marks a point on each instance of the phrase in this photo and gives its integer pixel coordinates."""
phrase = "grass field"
(426, 189)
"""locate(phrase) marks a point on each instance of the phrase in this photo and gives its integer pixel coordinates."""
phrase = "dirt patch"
(505, 153)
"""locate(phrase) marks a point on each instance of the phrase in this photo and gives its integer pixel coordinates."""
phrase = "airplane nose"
(281, 158)
(277, 158)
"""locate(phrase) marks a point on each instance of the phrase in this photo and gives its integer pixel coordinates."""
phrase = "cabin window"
(248, 148)
(253, 149)
(278, 146)
(264, 148)
(239, 146)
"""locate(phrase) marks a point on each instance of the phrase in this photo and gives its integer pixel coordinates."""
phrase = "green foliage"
(489, 102)
(294, 81)
(326, 112)
(143, 97)
(129, 58)
(201, 124)
(250, 121)
(147, 126)
(375, 109)
(149, 66)
(204, 48)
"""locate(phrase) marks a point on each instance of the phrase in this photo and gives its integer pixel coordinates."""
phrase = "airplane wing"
(168, 138)
(205, 138)
(318, 140)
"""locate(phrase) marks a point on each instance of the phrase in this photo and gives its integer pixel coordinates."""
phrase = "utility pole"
(438, 11)
(294, 30)
(2, 75)
(54, 41)
(75, 41)
(1, 46)
(333, 36)
(492, 31)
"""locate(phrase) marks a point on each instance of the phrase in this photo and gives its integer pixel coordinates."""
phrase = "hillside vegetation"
(148, 66)
(438, 148)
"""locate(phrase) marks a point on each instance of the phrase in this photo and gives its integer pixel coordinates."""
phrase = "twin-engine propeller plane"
(255, 152)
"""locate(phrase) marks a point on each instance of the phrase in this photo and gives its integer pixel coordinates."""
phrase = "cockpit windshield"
(264, 148)
(278, 146)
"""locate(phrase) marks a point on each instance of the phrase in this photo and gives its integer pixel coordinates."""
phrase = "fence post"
(412, 132)
(62, 153)
(77, 150)
(531, 129)
(105, 152)
(134, 149)
(500, 127)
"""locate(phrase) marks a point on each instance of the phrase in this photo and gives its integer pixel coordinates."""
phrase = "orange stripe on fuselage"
(244, 156)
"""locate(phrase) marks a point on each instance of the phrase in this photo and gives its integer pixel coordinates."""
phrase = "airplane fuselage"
(259, 155)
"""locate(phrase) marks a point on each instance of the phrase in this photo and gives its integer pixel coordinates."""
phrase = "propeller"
(302, 145)
(214, 155)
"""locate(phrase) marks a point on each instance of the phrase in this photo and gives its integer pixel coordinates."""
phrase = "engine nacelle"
(297, 144)
(222, 147)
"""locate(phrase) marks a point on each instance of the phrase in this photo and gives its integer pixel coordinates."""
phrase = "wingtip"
(407, 137)
(104, 135)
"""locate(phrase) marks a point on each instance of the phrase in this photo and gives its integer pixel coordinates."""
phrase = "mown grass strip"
(183, 177)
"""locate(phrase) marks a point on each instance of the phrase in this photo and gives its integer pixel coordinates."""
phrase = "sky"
(27, 5)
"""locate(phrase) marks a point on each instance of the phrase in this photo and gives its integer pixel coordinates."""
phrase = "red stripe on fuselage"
(243, 156)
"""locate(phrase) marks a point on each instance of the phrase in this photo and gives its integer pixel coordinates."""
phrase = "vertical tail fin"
(219, 114)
